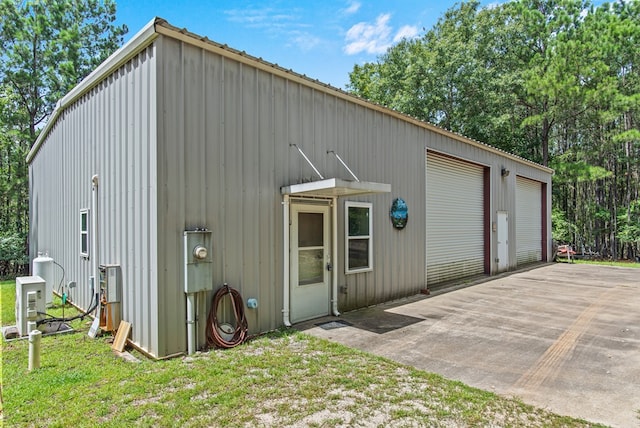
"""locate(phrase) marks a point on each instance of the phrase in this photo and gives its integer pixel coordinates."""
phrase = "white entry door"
(310, 258)
(503, 241)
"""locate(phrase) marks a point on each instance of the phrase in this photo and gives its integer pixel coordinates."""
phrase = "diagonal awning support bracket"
(307, 159)
(332, 187)
(343, 164)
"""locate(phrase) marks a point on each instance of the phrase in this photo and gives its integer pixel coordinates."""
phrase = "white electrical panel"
(30, 301)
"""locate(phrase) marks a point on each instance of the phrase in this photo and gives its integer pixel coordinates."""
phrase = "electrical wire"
(214, 338)
(51, 318)
(64, 298)
(95, 300)
(63, 275)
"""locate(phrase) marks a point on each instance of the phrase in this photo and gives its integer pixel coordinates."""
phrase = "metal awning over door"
(528, 221)
(301, 259)
(455, 218)
(332, 187)
(335, 187)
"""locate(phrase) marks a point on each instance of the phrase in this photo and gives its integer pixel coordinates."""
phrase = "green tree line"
(46, 48)
(554, 81)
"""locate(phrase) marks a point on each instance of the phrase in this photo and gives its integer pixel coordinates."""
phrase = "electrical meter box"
(198, 261)
(30, 301)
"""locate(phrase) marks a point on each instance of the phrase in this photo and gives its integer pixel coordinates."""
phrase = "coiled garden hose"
(214, 336)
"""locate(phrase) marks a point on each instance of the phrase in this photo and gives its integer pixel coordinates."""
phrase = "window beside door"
(358, 245)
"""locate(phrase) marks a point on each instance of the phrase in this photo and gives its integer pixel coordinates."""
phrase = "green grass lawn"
(628, 264)
(281, 379)
(7, 302)
(620, 263)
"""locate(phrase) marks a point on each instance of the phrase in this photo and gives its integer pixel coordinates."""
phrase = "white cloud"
(375, 38)
(406, 32)
(353, 7)
(285, 24)
(305, 41)
(370, 38)
(261, 18)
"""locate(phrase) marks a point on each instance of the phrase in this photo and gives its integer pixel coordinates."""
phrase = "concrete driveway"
(564, 337)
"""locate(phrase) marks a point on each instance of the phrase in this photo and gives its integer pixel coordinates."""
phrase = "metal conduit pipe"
(191, 321)
(334, 272)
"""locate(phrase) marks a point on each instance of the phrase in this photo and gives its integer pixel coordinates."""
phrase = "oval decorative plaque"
(399, 213)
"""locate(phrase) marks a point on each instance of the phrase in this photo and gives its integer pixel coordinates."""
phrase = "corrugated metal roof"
(141, 40)
(160, 26)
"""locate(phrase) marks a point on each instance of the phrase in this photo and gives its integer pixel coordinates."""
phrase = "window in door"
(310, 248)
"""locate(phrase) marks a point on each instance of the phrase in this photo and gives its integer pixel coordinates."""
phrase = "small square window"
(358, 247)
(84, 233)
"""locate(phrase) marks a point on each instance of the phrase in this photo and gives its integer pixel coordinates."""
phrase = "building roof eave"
(138, 42)
(158, 26)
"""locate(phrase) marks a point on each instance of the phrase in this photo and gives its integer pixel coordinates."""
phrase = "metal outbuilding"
(188, 164)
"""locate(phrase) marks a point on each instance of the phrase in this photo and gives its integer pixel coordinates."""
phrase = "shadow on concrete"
(376, 319)
(379, 319)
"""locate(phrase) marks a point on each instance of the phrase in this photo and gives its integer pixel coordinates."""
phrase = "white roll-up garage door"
(455, 217)
(528, 221)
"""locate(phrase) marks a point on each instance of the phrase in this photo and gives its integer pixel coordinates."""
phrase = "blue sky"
(322, 39)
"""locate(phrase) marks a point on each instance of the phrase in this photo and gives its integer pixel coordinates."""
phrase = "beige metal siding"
(187, 134)
(224, 153)
(455, 213)
(109, 131)
(217, 157)
(528, 221)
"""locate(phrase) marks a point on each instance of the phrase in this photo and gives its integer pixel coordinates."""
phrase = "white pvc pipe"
(285, 262)
(31, 325)
(94, 240)
(191, 323)
(34, 349)
(334, 271)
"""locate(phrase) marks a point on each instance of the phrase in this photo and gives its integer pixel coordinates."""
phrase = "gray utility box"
(111, 284)
(30, 301)
(198, 261)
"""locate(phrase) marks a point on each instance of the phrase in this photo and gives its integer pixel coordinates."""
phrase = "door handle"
(329, 267)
